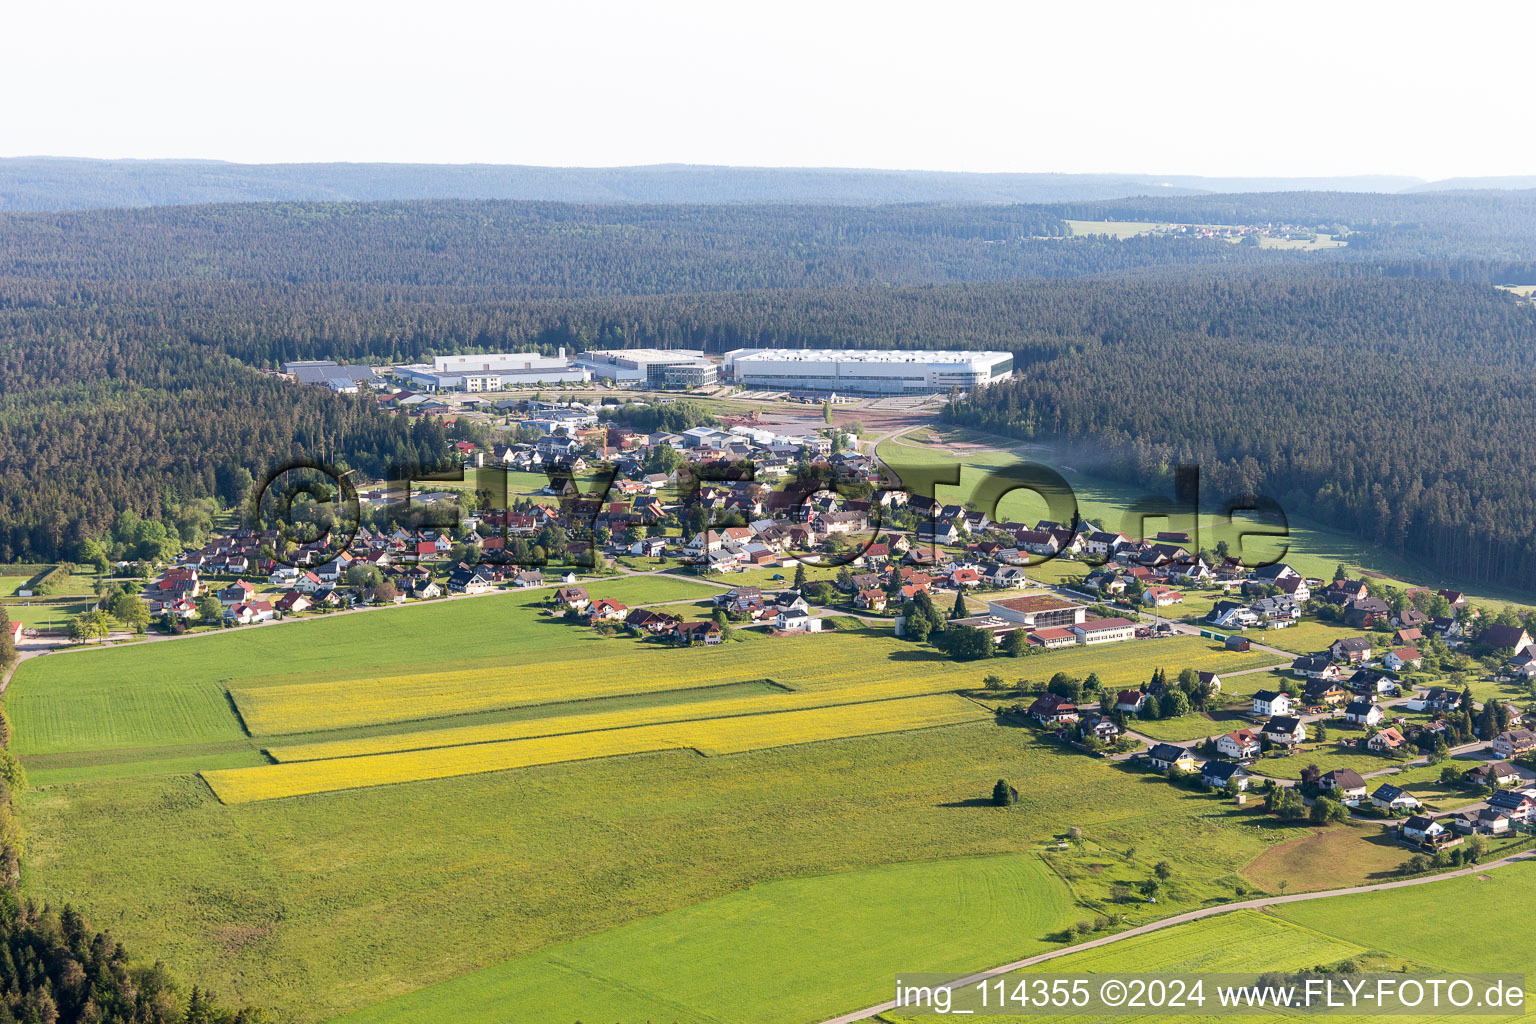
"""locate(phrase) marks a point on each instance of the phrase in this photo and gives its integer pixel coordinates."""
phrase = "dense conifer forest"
(1375, 387)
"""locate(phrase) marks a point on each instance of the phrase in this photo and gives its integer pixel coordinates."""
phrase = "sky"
(1257, 88)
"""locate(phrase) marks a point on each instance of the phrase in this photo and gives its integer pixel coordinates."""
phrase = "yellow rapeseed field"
(708, 736)
(766, 703)
(311, 707)
(825, 662)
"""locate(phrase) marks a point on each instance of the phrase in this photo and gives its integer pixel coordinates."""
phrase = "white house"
(1240, 744)
(1419, 829)
(1364, 712)
(1390, 798)
(797, 620)
(1269, 702)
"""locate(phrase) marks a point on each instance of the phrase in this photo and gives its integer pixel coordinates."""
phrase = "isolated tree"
(799, 575)
(1163, 870)
(959, 611)
(1004, 795)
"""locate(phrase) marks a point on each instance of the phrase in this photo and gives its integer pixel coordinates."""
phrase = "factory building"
(866, 371)
(659, 368)
(492, 372)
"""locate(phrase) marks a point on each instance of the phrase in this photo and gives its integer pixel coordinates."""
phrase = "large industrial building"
(659, 368)
(865, 372)
(492, 372)
(344, 380)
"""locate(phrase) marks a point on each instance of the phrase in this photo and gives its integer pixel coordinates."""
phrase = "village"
(806, 531)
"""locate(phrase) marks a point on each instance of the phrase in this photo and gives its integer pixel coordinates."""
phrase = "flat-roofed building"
(658, 367)
(1038, 610)
(493, 371)
(865, 371)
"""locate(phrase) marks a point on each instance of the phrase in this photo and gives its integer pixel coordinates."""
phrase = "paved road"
(1193, 915)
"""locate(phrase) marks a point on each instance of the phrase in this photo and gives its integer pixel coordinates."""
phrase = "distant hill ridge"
(61, 183)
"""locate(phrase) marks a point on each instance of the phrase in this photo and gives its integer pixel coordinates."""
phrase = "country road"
(1193, 915)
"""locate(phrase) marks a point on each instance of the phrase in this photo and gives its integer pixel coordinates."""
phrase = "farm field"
(280, 902)
(169, 693)
(708, 962)
(828, 661)
(1364, 927)
(1330, 858)
(714, 736)
(768, 700)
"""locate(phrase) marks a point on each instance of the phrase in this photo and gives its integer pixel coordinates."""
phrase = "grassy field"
(819, 843)
(711, 736)
(1309, 635)
(1328, 858)
(171, 693)
(706, 963)
(1450, 934)
(323, 904)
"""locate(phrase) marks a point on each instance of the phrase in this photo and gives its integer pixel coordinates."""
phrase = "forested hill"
(1383, 395)
(561, 250)
(1391, 409)
(52, 183)
(1428, 225)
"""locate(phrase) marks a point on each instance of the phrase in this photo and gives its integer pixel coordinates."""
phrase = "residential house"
(1512, 638)
(870, 600)
(1353, 650)
(1422, 830)
(1390, 798)
(1513, 743)
(605, 609)
(797, 620)
(251, 611)
(1239, 745)
(1400, 658)
(1216, 774)
(1386, 741)
(705, 632)
(1052, 709)
(573, 597)
(1516, 805)
(1271, 702)
(1345, 783)
(1130, 701)
(1285, 730)
(1492, 775)
(1366, 612)
(1363, 712)
(1166, 757)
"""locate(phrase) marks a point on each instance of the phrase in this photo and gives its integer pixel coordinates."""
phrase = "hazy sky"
(1229, 88)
